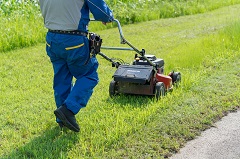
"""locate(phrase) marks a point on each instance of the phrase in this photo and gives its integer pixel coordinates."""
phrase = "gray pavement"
(219, 142)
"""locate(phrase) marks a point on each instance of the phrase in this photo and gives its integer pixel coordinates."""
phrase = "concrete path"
(220, 142)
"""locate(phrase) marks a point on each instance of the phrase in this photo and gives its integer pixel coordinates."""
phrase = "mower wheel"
(112, 88)
(159, 90)
(176, 78)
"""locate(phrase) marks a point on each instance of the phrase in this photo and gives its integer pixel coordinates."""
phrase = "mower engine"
(139, 60)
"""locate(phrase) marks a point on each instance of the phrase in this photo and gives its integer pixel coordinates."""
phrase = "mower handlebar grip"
(123, 41)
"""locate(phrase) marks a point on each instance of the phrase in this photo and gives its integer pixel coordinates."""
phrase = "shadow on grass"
(134, 101)
(52, 144)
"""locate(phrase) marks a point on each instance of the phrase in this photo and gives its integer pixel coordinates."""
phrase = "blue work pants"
(70, 58)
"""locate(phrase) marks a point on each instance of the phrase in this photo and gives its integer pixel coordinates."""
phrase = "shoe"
(67, 117)
(60, 124)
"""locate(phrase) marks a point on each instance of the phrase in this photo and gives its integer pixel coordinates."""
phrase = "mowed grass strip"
(126, 126)
(186, 112)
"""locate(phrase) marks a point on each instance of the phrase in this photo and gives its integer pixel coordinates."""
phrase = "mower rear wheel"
(176, 78)
(159, 90)
(112, 88)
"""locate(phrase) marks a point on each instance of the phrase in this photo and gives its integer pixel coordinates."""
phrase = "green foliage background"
(22, 25)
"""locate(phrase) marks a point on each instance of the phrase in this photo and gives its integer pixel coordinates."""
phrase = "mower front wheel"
(159, 90)
(112, 88)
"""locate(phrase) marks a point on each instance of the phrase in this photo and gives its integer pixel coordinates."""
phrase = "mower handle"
(124, 41)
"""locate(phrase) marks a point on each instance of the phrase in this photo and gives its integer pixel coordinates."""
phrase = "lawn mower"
(145, 76)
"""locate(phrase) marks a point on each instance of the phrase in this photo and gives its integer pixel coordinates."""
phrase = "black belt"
(75, 32)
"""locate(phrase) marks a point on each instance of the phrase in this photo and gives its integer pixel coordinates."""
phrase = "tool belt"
(74, 32)
(95, 43)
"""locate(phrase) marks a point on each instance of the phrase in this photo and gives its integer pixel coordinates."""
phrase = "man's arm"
(100, 10)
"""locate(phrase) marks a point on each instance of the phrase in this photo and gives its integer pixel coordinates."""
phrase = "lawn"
(203, 47)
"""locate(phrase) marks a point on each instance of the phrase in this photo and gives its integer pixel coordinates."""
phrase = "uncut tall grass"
(22, 25)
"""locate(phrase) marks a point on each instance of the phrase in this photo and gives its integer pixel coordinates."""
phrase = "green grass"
(204, 48)
(22, 25)
(208, 93)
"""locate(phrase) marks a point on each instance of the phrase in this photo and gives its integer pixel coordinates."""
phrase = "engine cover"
(134, 73)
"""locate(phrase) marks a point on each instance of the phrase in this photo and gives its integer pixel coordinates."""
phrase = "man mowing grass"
(68, 49)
